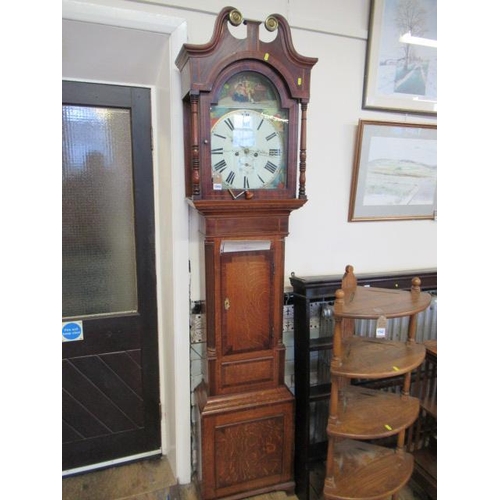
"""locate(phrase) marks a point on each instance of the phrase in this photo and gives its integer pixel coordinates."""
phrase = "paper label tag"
(217, 182)
(381, 327)
(229, 246)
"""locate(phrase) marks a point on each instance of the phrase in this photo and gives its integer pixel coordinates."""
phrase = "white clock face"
(247, 151)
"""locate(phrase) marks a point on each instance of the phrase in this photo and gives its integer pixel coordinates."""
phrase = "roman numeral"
(261, 179)
(271, 167)
(230, 178)
(229, 123)
(246, 184)
(274, 152)
(270, 136)
(260, 124)
(218, 151)
(220, 166)
(221, 136)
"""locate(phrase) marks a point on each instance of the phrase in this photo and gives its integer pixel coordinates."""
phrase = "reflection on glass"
(98, 237)
(244, 131)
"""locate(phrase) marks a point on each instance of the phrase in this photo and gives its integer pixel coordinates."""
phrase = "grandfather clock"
(245, 114)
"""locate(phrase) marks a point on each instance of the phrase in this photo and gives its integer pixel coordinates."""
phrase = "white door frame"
(171, 214)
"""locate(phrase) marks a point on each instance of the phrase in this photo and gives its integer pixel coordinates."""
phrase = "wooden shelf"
(367, 471)
(377, 358)
(357, 469)
(312, 397)
(371, 303)
(370, 413)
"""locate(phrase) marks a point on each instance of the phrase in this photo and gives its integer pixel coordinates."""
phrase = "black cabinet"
(313, 297)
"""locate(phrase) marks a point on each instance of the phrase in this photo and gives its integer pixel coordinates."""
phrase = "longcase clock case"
(243, 184)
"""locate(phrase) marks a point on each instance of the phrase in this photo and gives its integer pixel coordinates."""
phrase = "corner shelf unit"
(313, 355)
(355, 468)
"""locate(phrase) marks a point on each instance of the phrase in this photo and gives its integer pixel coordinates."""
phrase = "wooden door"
(247, 291)
(247, 357)
(110, 396)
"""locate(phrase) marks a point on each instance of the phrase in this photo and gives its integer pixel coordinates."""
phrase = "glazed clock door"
(247, 325)
(251, 140)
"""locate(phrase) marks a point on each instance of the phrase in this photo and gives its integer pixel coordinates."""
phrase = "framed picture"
(401, 60)
(395, 172)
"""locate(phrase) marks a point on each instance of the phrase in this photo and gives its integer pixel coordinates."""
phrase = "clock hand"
(235, 196)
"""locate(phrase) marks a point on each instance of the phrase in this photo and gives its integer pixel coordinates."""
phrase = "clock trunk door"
(247, 340)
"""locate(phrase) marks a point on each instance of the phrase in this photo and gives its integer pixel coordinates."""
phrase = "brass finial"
(271, 23)
(235, 17)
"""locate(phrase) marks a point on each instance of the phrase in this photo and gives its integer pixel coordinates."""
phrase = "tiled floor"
(144, 480)
(153, 479)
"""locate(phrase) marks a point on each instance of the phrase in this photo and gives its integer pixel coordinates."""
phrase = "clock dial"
(247, 151)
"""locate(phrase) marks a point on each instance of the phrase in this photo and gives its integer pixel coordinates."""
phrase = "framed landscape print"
(401, 61)
(395, 172)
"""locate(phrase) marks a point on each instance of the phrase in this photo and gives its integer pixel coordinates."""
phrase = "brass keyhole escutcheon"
(226, 304)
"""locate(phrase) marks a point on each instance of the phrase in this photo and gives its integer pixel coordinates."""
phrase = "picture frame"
(394, 173)
(401, 58)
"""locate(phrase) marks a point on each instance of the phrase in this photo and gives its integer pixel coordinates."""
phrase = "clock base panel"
(246, 443)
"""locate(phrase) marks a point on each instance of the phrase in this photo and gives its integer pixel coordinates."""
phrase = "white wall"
(321, 240)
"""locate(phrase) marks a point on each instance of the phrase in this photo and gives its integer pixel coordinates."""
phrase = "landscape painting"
(395, 172)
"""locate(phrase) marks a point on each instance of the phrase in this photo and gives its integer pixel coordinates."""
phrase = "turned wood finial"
(339, 296)
(349, 280)
(415, 284)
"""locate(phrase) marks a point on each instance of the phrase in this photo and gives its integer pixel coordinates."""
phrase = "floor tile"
(149, 478)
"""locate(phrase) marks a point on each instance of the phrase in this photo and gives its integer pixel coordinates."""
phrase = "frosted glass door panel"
(99, 258)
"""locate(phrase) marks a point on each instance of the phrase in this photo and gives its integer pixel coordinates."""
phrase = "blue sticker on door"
(72, 330)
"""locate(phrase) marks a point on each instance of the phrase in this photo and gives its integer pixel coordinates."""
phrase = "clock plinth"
(245, 116)
(246, 448)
